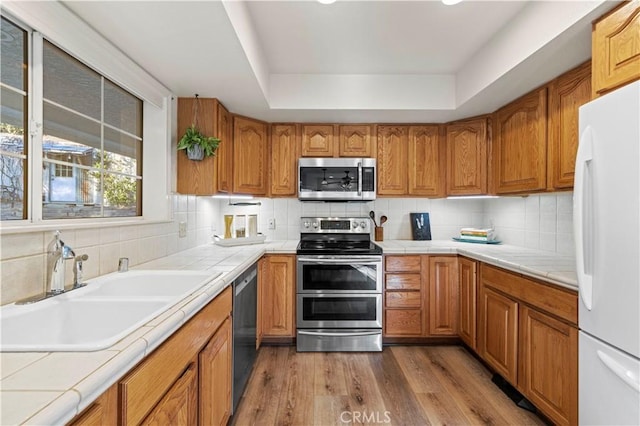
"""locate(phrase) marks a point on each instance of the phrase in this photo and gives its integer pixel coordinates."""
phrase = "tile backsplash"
(537, 221)
(23, 255)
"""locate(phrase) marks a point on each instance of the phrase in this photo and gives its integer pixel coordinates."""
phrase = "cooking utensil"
(372, 215)
(383, 219)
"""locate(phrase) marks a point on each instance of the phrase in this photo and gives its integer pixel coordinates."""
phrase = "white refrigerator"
(607, 236)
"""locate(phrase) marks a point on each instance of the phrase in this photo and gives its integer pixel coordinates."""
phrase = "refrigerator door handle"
(627, 376)
(581, 208)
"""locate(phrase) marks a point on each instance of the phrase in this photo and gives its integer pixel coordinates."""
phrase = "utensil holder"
(378, 233)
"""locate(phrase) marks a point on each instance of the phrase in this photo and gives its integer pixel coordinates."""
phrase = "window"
(13, 122)
(91, 142)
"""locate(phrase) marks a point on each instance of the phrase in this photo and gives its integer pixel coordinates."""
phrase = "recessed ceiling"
(351, 61)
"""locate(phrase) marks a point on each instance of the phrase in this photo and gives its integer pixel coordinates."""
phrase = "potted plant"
(197, 145)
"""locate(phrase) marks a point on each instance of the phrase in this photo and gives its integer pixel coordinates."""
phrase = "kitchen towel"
(420, 226)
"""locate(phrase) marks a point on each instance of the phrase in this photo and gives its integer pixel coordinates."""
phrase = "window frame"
(157, 117)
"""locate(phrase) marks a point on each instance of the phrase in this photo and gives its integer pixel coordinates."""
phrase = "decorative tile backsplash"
(537, 221)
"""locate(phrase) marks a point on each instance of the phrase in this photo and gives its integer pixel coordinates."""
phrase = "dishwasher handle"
(244, 280)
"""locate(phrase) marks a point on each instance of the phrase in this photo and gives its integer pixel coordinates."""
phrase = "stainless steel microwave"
(337, 179)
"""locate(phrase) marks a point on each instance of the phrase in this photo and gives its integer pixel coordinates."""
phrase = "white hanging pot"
(195, 152)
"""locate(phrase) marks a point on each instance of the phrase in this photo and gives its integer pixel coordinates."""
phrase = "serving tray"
(229, 242)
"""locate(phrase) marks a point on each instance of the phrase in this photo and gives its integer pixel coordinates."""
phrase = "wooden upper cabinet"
(425, 161)
(318, 140)
(566, 94)
(201, 177)
(284, 159)
(616, 48)
(392, 160)
(355, 141)
(467, 143)
(520, 145)
(224, 155)
(250, 156)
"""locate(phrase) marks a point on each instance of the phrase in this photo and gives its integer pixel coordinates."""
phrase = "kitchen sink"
(98, 315)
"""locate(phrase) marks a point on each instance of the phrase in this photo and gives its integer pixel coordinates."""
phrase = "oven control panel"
(335, 225)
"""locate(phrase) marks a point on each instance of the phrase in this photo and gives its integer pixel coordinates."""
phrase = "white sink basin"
(98, 315)
(148, 283)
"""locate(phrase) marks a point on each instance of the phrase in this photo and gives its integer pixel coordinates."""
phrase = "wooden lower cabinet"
(467, 274)
(443, 296)
(498, 337)
(420, 296)
(548, 362)
(276, 295)
(527, 332)
(215, 364)
(164, 387)
(179, 406)
(103, 411)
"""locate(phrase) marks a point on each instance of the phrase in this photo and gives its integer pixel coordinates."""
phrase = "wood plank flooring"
(402, 385)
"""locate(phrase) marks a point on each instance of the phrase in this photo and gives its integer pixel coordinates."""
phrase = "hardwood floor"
(403, 385)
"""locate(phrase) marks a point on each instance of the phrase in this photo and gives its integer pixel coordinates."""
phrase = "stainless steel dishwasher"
(245, 305)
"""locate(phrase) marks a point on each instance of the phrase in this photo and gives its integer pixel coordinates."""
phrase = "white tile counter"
(51, 388)
(552, 267)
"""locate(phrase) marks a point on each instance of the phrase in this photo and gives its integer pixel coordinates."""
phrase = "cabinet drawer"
(556, 301)
(146, 384)
(402, 264)
(403, 299)
(402, 281)
(401, 322)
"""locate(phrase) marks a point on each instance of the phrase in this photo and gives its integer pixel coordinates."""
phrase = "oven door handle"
(360, 178)
(339, 333)
(350, 261)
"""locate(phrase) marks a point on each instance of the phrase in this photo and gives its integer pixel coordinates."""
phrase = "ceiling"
(352, 61)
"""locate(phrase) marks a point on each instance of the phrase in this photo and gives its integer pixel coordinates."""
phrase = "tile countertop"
(52, 387)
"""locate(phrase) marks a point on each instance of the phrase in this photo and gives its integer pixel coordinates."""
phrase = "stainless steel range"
(339, 286)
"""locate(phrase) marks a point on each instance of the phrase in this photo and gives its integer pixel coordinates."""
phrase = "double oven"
(339, 286)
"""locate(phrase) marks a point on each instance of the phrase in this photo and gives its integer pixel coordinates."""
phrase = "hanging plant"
(195, 143)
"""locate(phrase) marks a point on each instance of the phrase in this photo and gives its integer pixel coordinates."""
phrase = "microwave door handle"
(360, 178)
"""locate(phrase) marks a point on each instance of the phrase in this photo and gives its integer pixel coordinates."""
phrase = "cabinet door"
(616, 48)
(284, 159)
(467, 272)
(278, 297)
(425, 165)
(566, 94)
(179, 406)
(355, 141)
(392, 160)
(104, 411)
(443, 296)
(224, 155)
(250, 156)
(318, 140)
(197, 177)
(520, 148)
(467, 157)
(498, 333)
(548, 358)
(215, 378)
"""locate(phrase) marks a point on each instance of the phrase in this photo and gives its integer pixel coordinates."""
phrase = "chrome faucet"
(77, 270)
(57, 253)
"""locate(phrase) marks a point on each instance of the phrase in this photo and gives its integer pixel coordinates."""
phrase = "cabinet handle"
(627, 376)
